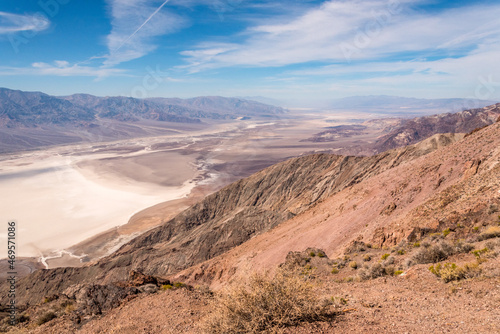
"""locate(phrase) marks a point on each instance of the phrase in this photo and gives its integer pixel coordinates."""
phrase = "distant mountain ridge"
(378, 103)
(31, 120)
(414, 130)
(31, 109)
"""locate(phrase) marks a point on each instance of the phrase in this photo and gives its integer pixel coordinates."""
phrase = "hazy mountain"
(404, 105)
(19, 108)
(33, 119)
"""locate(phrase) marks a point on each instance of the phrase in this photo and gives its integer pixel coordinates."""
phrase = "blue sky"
(298, 51)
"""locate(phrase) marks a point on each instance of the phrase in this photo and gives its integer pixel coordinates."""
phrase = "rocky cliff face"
(417, 129)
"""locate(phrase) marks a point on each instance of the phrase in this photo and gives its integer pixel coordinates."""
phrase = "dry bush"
(451, 272)
(491, 232)
(432, 253)
(46, 317)
(376, 270)
(266, 304)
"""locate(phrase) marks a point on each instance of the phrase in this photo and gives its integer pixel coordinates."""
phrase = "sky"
(299, 51)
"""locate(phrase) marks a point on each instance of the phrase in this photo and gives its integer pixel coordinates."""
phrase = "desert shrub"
(166, 287)
(367, 258)
(446, 232)
(69, 308)
(491, 232)
(416, 244)
(266, 304)
(435, 236)
(179, 285)
(451, 272)
(385, 256)
(353, 265)
(376, 270)
(492, 244)
(46, 317)
(335, 270)
(401, 252)
(321, 254)
(389, 260)
(312, 254)
(432, 254)
(463, 247)
(398, 272)
(389, 270)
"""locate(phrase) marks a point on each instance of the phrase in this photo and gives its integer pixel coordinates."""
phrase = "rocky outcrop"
(417, 129)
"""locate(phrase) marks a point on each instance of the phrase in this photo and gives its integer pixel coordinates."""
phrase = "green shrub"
(335, 270)
(166, 287)
(385, 256)
(446, 232)
(312, 254)
(451, 272)
(398, 272)
(179, 285)
(321, 254)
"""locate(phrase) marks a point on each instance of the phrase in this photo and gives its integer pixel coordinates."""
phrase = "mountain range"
(31, 120)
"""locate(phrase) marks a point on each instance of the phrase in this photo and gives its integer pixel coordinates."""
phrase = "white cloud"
(12, 23)
(61, 68)
(343, 31)
(135, 24)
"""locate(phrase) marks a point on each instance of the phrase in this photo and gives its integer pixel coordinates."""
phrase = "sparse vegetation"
(446, 232)
(367, 258)
(432, 254)
(179, 285)
(452, 272)
(385, 256)
(266, 304)
(490, 232)
(46, 317)
(353, 265)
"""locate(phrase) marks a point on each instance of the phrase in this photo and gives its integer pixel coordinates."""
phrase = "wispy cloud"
(12, 23)
(135, 24)
(342, 31)
(63, 69)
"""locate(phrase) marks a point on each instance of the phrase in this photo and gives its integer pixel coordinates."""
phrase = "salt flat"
(58, 203)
